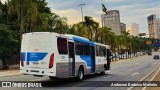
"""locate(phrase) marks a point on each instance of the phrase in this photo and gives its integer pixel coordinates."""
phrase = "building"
(153, 26)
(158, 27)
(135, 29)
(123, 28)
(112, 20)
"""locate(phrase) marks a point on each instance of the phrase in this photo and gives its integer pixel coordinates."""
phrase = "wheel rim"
(80, 74)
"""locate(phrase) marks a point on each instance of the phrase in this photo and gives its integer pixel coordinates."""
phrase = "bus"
(62, 55)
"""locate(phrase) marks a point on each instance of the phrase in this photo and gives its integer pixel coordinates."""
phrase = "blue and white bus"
(61, 55)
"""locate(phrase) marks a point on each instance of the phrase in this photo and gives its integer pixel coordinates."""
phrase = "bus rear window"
(62, 45)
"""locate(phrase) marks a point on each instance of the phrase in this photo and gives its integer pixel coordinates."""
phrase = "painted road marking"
(136, 73)
(107, 76)
(152, 78)
(80, 84)
(146, 75)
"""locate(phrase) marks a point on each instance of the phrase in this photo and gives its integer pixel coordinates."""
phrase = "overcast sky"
(131, 11)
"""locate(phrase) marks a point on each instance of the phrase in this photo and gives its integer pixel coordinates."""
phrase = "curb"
(10, 73)
(114, 61)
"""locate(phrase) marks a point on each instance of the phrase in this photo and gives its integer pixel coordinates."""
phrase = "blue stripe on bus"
(87, 59)
(91, 43)
(36, 56)
(22, 56)
(83, 40)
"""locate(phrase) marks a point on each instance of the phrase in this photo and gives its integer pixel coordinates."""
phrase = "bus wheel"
(102, 73)
(53, 78)
(80, 74)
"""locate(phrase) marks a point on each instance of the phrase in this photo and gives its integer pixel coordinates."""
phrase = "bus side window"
(97, 50)
(101, 51)
(62, 45)
(82, 48)
(77, 48)
(86, 49)
(104, 51)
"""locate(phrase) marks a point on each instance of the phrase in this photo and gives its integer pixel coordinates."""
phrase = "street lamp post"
(82, 10)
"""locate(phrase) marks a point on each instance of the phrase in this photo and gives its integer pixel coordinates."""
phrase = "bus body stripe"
(36, 56)
(23, 55)
(33, 56)
(87, 59)
(83, 40)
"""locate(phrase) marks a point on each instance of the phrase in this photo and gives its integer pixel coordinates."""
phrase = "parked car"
(156, 57)
(149, 53)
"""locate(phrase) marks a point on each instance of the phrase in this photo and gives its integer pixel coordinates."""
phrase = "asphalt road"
(136, 69)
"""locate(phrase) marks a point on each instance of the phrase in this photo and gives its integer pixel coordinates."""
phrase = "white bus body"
(55, 55)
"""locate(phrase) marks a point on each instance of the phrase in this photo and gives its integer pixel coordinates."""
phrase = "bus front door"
(71, 58)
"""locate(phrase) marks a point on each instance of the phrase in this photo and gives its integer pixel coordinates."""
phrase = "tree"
(58, 24)
(8, 44)
(78, 29)
(90, 23)
(32, 14)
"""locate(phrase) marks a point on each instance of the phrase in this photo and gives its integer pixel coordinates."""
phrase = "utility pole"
(82, 10)
(0, 6)
(102, 15)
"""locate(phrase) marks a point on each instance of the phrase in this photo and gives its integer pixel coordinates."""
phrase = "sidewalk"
(125, 59)
(13, 70)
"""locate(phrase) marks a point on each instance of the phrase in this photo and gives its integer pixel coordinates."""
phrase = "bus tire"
(53, 78)
(80, 74)
(102, 73)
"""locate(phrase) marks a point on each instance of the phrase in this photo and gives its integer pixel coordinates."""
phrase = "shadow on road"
(68, 82)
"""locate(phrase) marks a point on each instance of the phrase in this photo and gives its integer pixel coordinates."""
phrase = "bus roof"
(80, 39)
(102, 44)
(34, 33)
(70, 36)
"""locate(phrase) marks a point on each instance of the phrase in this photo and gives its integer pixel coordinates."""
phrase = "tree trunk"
(5, 65)
(21, 22)
(90, 30)
(96, 35)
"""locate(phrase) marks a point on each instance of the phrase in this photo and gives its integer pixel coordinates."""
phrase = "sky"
(131, 11)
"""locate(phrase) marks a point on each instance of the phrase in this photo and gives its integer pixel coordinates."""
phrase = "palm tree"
(18, 6)
(96, 28)
(30, 15)
(127, 43)
(58, 24)
(90, 24)
(105, 35)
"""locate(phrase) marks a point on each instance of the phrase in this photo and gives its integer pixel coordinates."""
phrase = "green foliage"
(7, 42)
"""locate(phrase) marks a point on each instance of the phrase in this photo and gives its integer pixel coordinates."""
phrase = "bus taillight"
(51, 61)
(21, 60)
